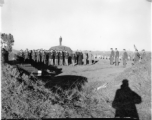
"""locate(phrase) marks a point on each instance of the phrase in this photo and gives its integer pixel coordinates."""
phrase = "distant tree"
(7, 41)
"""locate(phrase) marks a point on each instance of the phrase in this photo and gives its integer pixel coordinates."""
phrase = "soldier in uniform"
(111, 57)
(66, 58)
(26, 56)
(50, 57)
(90, 57)
(33, 56)
(56, 57)
(84, 58)
(61, 58)
(80, 58)
(136, 57)
(77, 56)
(116, 57)
(124, 57)
(73, 58)
(38, 56)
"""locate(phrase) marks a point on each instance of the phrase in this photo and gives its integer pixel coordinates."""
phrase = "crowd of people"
(114, 57)
(60, 58)
(55, 57)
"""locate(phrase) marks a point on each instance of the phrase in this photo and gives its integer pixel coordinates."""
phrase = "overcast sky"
(83, 24)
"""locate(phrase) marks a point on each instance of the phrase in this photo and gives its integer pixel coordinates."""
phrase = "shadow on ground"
(66, 82)
(125, 100)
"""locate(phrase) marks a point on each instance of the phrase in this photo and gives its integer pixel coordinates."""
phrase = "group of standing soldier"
(55, 57)
(114, 57)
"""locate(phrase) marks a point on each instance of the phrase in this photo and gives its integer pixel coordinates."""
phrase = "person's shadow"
(124, 102)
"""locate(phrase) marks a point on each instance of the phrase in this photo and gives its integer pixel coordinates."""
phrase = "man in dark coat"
(116, 57)
(124, 57)
(80, 58)
(77, 56)
(111, 57)
(56, 57)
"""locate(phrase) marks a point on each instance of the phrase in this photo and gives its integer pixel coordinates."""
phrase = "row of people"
(114, 57)
(55, 57)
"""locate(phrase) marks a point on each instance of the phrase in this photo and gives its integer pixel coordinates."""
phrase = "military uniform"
(33, 55)
(111, 57)
(56, 58)
(26, 53)
(117, 58)
(61, 58)
(73, 58)
(136, 57)
(66, 58)
(90, 58)
(38, 56)
(84, 58)
(51, 58)
(125, 58)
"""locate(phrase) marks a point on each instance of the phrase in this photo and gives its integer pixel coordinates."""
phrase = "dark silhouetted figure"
(124, 102)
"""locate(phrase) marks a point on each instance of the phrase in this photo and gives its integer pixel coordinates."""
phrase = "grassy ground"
(79, 91)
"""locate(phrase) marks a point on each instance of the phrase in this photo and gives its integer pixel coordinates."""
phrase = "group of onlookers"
(114, 57)
(55, 57)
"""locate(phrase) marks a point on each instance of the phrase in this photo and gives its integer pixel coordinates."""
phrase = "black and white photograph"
(75, 59)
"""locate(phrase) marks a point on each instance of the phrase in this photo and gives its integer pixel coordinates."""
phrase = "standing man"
(116, 57)
(66, 58)
(73, 58)
(90, 57)
(136, 55)
(111, 57)
(84, 58)
(56, 57)
(38, 56)
(80, 58)
(124, 58)
(61, 58)
(50, 57)
(26, 56)
(33, 56)
(77, 56)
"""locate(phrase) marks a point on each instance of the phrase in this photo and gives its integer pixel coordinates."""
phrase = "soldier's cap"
(143, 50)
(124, 49)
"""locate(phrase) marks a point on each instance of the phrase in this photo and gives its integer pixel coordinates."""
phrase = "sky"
(82, 24)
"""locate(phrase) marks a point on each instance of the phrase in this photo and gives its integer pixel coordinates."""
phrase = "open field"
(79, 91)
(104, 79)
